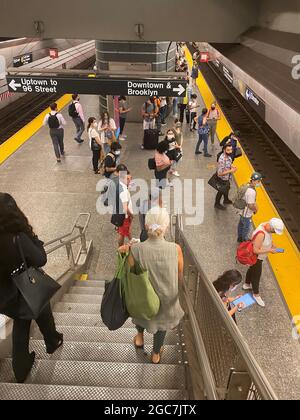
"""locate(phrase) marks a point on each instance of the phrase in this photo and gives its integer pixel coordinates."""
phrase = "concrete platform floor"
(52, 195)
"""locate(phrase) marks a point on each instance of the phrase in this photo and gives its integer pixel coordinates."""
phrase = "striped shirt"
(224, 164)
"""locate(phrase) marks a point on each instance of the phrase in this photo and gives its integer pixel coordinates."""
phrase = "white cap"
(277, 225)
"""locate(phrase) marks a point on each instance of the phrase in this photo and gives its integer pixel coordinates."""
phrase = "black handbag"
(35, 287)
(152, 164)
(118, 220)
(218, 184)
(95, 146)
(113, 308)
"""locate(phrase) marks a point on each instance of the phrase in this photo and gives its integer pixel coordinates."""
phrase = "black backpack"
(53, 121)
(72, 111)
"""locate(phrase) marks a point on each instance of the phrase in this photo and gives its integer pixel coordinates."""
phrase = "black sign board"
(21, 60)
(224, 70)
(256, 102)
(96, 86)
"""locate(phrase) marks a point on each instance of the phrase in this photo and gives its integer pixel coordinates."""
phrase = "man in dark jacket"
(233, 140)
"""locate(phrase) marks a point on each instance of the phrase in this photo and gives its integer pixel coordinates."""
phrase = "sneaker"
(176, 173)
(228, 202)
(198, 153)
(247, 287)
(79, 141)
(122, 138)
(135, 241)
(220, 207)
(207, 155)
(164, 123)
(142, 147)
(58, 160)
(259, 301)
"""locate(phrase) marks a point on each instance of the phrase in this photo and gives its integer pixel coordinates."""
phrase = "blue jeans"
(79, 124)
(202, 138)
(175, 107)
(244, 228)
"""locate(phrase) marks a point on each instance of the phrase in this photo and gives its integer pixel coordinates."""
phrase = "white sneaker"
(142, 147)
(246, 287)
(176, 173)
(122, 138)
(259, 301)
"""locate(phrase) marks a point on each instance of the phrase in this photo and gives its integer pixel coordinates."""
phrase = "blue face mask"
(258, 185)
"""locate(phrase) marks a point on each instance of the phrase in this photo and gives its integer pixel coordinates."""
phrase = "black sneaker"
(79, 141)
(207, 155)
(228, 202)
(198, 153)
(220, 207)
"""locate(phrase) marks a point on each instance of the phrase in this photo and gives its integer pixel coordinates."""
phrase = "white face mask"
(117, 153)
(170, 136)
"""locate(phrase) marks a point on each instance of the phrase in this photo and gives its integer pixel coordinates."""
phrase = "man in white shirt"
(250, 209)
(55, 121)
(76, 112)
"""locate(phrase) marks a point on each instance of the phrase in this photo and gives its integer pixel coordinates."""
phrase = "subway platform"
(52, 195)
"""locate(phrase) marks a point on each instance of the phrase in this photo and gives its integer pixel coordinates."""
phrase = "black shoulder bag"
(36, 288)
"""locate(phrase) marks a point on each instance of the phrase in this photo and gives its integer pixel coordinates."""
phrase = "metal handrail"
(61, 242)
(256, 373)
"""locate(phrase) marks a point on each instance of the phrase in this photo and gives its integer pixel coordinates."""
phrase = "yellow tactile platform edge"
(18, 139)
(286, 267)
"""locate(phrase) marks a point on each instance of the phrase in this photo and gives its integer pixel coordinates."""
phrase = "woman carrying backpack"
(95, 142)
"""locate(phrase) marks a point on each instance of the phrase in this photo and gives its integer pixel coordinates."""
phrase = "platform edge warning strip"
(11, 145)
(286, 267)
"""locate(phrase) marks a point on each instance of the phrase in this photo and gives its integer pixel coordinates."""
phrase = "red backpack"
(245, 253)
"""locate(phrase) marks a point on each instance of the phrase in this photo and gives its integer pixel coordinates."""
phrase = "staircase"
(95, 363)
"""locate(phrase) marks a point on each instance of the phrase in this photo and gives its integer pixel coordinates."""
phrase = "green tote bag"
(140, 296)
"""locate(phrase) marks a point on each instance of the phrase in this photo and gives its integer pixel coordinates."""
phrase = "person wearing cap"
(262, 246)
(233, 140)
(213, 117)
(250, 208)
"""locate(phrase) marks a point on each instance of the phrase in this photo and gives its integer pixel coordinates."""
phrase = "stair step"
(86, 291)
(90, 299)
(110, 375)
(83, 320)
(103, 335)
(105, 352)
(89, 283)
(56, 392)
(77, 308)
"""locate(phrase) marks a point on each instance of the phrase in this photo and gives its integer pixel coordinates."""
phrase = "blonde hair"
(157, 222)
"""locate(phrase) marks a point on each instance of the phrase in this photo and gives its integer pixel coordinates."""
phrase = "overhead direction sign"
(21, 60)
(96, 86)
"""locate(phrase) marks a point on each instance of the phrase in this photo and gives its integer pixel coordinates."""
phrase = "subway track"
(266, 151)
(19, 113)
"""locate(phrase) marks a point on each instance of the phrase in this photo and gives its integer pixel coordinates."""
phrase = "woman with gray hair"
(164, 262)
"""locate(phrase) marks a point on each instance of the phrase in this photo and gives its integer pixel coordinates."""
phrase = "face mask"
(213, 108)
(117, 153)
(95, 124)
(258, 185)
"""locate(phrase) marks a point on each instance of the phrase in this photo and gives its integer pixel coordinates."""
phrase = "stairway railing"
(225, 367)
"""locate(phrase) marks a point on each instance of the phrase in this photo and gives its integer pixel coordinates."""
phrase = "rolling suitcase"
(151, 139)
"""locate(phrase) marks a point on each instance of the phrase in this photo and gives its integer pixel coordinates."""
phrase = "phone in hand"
(279, 250)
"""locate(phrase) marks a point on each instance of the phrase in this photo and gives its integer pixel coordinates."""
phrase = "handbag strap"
(17, 242)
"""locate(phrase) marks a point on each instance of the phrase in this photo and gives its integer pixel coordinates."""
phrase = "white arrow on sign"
(14, 85)
(180, 90)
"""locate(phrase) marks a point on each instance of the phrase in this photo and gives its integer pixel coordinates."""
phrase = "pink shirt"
(161, 160)
(79, 109)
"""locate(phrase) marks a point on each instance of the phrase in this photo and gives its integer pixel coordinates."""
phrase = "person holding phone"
(226, 284)
(262, 246)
